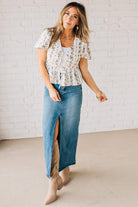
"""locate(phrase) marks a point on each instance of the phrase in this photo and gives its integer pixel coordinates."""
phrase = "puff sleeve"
(44, 40)
(86, 52)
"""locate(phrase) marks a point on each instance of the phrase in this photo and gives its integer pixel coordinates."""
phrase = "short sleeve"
(43, 40)
(86, 52)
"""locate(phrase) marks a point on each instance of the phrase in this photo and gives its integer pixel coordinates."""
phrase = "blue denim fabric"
(69, 112)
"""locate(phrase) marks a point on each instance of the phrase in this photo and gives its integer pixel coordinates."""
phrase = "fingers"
(54, 94)
(103, 98)
(57, 97)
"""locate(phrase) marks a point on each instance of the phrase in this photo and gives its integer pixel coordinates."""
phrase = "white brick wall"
(114, 45)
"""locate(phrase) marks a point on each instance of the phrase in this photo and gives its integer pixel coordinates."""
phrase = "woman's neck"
(67, 34)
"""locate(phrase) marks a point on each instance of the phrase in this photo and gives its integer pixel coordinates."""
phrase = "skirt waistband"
(66, 88)
(69, 87)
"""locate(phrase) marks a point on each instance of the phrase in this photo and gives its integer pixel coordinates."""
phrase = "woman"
(63, 51)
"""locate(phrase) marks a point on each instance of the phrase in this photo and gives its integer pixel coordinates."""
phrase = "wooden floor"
(105, 174)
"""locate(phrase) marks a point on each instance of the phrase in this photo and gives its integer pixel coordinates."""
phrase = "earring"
(77, 27)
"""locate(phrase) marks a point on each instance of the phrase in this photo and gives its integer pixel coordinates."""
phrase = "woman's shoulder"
(46, 32)
(81, 42)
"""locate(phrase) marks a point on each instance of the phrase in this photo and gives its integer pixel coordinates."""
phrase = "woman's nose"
(69, 17)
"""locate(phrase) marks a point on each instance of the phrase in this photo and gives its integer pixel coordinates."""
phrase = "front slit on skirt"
(68, 110)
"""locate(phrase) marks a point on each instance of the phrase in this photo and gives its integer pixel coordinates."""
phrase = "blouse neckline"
(71, 45)
(65, 47)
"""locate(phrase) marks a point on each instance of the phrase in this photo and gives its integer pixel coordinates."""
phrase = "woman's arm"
(41, 60)
(83, 65)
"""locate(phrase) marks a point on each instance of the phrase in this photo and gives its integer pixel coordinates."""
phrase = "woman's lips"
(67, 23)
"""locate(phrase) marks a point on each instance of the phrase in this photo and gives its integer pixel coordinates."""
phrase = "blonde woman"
(62, 54)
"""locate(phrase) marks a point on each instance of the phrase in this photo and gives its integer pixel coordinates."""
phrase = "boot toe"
(50, 199)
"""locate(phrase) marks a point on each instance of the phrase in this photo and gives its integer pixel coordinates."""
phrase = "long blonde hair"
(82, 33)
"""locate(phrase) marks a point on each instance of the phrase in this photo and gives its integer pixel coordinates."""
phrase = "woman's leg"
(56, 130)
(64, 173)
(55, 181)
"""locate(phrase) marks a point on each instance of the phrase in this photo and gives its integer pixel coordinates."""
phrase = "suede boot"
(55, 181)
(65, 175)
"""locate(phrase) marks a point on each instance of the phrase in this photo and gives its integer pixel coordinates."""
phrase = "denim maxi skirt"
(68, 110)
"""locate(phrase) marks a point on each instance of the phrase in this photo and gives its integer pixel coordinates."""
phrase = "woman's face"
(70, 18)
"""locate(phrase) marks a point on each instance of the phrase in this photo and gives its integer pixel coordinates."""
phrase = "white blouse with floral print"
(71, 74)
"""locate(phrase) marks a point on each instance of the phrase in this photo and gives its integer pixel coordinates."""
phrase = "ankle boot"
(55, 181)
(65, 175)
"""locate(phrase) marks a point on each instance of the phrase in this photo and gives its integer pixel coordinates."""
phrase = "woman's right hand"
(54, 94)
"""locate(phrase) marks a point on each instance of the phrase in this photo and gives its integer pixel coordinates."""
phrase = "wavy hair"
(82, 33)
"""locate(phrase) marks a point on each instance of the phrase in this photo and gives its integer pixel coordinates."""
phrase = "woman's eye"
(68, 14)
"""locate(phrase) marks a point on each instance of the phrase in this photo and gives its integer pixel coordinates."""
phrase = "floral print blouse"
(70, 74)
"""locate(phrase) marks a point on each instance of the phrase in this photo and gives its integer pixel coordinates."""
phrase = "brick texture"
(114, 46)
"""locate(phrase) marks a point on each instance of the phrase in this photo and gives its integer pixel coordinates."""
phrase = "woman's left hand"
(101, 96)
